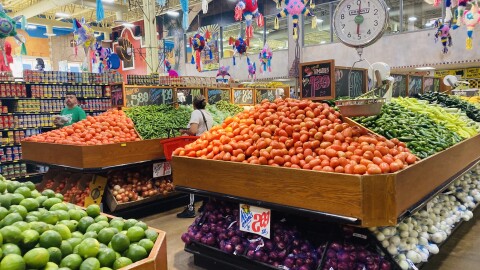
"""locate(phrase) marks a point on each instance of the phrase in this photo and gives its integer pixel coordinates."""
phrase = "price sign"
(268, 94)
(415, 85)
(216, 95)
(358, 80)
(243, 96)
(472, 73)
(161, 169)
(428, 84)
(255, 220)
(190, 94)
(317, 80)
(399, 85)
(142, 96)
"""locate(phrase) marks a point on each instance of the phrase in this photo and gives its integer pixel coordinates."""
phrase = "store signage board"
(217, 94)
(190, 93)
(400, 85)
(358, 82)
(242, 96)
(317, 80)
(116, 91)
(161, 169)
(415, 85)
(472, 73)
(267, 93)
(428, 84)
(436, 84)
(147, 95)
(255, 220)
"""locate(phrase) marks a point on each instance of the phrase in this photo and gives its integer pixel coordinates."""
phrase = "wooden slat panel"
(326, 192)
(379, 200)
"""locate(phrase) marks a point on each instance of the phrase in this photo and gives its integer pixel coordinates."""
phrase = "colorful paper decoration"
(184, 4)
(84, 35)
(8, 29)
(223, 71)
(471, 18)
(252, 68)
(198, 43)
(249, 10)
(7, 58)
(239, 47)
(100, 12)
(462, 5)
(171, 72)
(265, 57)
(295, 8)
(443, 32)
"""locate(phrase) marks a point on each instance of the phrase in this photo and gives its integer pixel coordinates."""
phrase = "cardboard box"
(97, 189)
(95, 156)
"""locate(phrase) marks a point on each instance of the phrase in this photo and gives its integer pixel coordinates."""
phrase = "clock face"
(359, 23)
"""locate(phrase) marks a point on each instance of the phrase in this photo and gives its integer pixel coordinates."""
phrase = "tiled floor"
(462, 252)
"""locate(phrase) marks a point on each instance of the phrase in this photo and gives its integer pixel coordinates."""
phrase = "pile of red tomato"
(300, 134)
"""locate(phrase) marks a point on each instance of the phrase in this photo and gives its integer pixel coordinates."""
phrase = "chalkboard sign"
(217, 94)
(358, 82)
(116, 94)
(242, 96)
(190, 93)
(415, 85)
(266, 93)
(317, 80)
(436, 84)
(428, 84)
(147, 95)
(399, 86)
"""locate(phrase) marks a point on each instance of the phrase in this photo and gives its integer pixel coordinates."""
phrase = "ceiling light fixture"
(319, 20)
(31, 27)
(412, 19)
(108, 1)
(173, 13)
(128, 24)
(62, 15)
(425, 68)
(323, 42)
(49, 34)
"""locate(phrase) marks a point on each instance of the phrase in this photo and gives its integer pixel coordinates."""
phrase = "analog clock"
(359, 23)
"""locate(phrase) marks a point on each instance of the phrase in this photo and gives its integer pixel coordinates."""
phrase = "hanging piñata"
(198, 43)
(295, 8)
(249, 10)
(172, 73)
(443, 32)
(252, 68)
(239, 47)
(223, 71)
(8, 28)
(83, 35)
(265, 58)
(471, 18)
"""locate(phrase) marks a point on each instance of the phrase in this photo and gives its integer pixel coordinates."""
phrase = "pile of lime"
(40, 231)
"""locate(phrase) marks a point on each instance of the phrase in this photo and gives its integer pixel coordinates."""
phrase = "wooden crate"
(377, 200)
(157, 259)
(95, 156)
(113, 204)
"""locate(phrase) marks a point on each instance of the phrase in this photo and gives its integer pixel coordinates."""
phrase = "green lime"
(90, 264)
(48, 192)
(91, 234)
(151, 234)
(63, 230)
(121, 262)
(129, 223)
(51, 202)
(17, 209)
(59, 196)
(50, 239)
(12, 262)
(17, 198)
(74, 242)
(30, 239)
(72, 261)
(12, 186)
(36, 258)
(66, 248)
(77, 234)
(135, 234)
(51, 266)
(25, 191)
(93, 210)
(22, 225)
(136, 253)
(3, 212)
(3, 187)
(48, 217)
(84, 223)
(6, 200)
(10, 249)
(142, 225)
(105, 235)
(59, 206)
(55, 254)
(107, 257)
(41, 199)
(62, 214)
(39, 226)
(30, 204)
(89, 248)
(117, 223)
(11, 234)
(95, 227)
(71, 224)
(76, 214)
(147, 244)
(120, 242)
(101, 218)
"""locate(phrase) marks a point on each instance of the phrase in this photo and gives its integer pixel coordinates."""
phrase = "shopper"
(200, 122)
(72, 113)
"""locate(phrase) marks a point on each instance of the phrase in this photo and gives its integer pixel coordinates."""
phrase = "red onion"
(235, 240)
(385, 265)
(289, 262)
(336, 246)
(251, 253)
(239, 249)
(198, 236)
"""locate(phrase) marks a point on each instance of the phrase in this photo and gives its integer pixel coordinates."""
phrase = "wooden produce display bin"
(375, 200)
(95, 156)
(157, 259)
(114, 205)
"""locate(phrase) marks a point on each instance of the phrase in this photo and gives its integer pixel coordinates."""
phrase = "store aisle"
(461, 252)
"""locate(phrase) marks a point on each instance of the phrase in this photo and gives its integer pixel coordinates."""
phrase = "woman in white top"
(200, 122)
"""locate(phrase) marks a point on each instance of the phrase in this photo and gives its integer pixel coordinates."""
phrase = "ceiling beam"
(60, 24)
(42, 7)
(106, 6)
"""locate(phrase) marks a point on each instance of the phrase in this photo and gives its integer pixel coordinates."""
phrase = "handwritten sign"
(243, 96)
(399, 85)
(190, 94)
(255, 220)
(415, 85)
(357, 82)
(436, 84)
(117, 95)
(268, 94)
(216, 95)
(161, 169)
(142, 96)
(428, 84)
(317, 80)
(472, 73)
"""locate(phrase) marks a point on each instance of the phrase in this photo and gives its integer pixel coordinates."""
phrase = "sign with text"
(472, 73)
(399, 85)
(243, 96)
(255, 220)
(415, 85)
(267, 93)
(143, 96)
(116, 92)
(317, 80)
(217, 94)
(358, 80)
(161, 169)
(190, 93)
(428, 84)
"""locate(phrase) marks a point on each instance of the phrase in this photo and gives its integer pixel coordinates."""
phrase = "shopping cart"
(171, 144)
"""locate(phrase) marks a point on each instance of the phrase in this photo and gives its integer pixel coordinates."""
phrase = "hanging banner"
(255, 220)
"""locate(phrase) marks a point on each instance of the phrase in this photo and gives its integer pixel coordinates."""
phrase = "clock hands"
(358, 14)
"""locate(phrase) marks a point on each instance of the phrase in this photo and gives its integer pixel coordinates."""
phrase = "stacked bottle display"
(34, 76)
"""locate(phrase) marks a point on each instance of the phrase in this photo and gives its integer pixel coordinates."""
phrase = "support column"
(151, 39)
(292, 43)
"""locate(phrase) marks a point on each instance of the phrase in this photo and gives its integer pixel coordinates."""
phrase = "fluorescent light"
(319, 20)
(425, 68)
(323, 42)
(62, 15)
(428, 24)
(96, 35)
(412, 19)
(108, 1)
(128, 24)
(31, 26)
(388, 8)
(173, 13)
(261, 32)
(49, 34)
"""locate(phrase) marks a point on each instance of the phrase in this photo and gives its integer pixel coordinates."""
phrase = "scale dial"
(360, 23)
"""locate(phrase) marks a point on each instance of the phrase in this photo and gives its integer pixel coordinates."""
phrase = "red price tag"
(255, 220)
